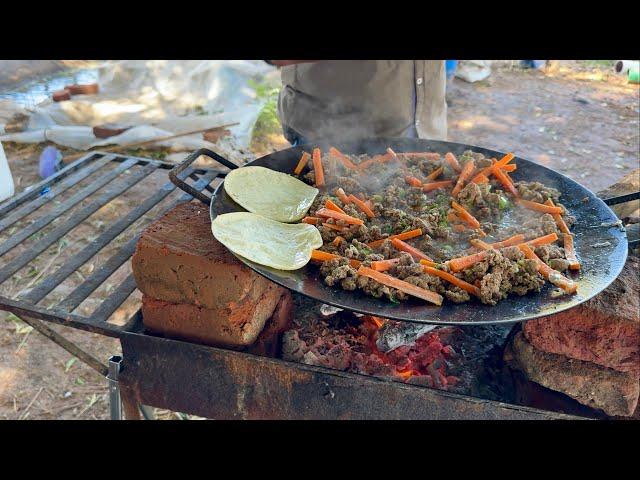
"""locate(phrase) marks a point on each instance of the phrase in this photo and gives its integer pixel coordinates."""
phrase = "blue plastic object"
(533, 63)
(50, 162)
(450, 66)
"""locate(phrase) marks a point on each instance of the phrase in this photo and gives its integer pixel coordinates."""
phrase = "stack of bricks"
(591, 352)
(194, 289)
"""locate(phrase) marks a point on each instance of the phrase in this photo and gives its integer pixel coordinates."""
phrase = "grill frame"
(98, 192)
(168, 373)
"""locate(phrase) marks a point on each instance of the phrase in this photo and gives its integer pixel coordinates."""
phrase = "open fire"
(350, 343)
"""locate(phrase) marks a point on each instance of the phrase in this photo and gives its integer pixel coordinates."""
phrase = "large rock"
(614, 392)
(604, 330)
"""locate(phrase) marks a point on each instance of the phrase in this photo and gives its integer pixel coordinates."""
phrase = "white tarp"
(158, 97)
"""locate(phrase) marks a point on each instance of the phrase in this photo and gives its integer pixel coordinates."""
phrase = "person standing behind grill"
(349, 99)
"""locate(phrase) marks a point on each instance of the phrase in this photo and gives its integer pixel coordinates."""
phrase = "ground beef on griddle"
(537, 192)
(559, 264)
(339, 271)
(457, 295)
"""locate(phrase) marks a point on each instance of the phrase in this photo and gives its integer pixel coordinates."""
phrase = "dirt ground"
(575, 117)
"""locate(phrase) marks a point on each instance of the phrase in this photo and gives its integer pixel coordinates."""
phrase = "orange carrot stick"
(333, 226)
(342, 196)
(332, 206)
(480, 179)
(377, 159)
(384, 265)
(539, 207)
(402, 236)
(302, 163)
(405, 247)
(428, 263)
(549, 273)
(321, 256)
(453, 162)
(413, 181)
(317, 167)
(467, 170)
(466, 216)
(462, 263)
(504, 180)
(544, 240)
(453, 280)
(558, 218)
(427, 187)
(512, 167)
(311, 220)
(453, 217)
(476, 242)
(362, 206)
(334, 152)
(401, 285)
(435, 174)
(338, 240)
(504, 160)
(325, 212)
(570, 252)
(428, 155)
(489, 170)
(509, 242)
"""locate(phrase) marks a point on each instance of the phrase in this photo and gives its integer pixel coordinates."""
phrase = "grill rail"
(100, 187)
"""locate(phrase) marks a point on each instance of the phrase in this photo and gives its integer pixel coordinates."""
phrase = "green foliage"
(268, 122)
(599, 63)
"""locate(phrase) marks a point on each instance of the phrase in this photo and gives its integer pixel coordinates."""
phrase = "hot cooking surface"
(600, 244)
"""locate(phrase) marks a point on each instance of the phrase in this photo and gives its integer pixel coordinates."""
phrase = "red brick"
(178, 260)
(604, 330)
(614, 392)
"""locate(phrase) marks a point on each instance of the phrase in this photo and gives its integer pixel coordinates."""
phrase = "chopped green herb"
(503, 203)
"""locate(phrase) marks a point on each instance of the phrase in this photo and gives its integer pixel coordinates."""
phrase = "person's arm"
(284, 63)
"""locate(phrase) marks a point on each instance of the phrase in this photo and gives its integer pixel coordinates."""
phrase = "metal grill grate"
(35, 220)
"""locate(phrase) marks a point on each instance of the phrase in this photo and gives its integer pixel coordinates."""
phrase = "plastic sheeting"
(473, 70)
(158, 97)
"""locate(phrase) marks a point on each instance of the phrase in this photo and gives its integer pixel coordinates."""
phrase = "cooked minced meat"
(400, 207)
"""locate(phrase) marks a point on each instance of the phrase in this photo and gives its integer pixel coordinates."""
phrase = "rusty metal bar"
(60, 187)
(57, 316)
(55, 213)
(224, 384)
(21, 260)
(36, 189)
(77, 296)
(70, 347)
(114, 300)
(52, 281)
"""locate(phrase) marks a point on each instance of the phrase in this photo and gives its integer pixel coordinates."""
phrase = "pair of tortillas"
(260, 235)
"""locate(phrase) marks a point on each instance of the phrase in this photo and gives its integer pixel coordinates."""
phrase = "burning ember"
(346, 342)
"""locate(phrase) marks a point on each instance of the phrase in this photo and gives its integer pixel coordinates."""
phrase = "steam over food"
(267, 242)
(272, 194)
(400, 225)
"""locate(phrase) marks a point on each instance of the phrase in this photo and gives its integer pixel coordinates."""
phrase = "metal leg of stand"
(115, 404)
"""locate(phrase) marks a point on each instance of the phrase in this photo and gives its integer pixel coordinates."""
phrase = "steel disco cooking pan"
(600, 243)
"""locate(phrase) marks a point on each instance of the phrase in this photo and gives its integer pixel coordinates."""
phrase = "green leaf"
(22, 329)
(69, 364)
